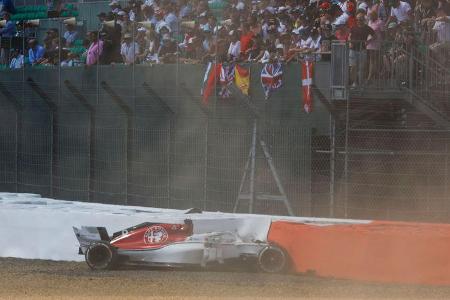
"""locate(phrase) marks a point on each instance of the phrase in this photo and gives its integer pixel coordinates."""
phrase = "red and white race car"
(172, 245)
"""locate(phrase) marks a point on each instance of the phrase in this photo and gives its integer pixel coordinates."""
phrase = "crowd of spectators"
(197, 31)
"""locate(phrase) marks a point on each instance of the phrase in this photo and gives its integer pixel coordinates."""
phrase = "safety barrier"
(392, 252)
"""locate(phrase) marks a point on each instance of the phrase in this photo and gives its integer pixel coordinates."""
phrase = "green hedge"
(32, 12)
(31, 8)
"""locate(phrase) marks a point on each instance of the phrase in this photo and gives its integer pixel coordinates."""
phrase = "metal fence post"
(92, 115)
(130, 126)
(346, 153)
(332, 163)
(154, 96)
(18, 136)
(169, 148)
(53, 108)
(205, 183)
(252, 169)
(446, 167)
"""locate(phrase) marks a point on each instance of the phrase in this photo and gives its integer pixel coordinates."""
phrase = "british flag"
(271, 78)
(226, 78)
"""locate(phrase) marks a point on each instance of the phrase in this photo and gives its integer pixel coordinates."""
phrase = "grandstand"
(142, 133)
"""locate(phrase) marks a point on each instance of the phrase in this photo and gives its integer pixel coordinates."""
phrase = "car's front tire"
(273, 259)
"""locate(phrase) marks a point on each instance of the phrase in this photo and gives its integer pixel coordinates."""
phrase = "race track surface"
(38, 279)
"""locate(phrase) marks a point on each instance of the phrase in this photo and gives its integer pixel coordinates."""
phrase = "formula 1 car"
(174, 245)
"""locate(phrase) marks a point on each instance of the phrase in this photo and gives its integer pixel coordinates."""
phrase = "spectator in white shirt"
(115, 6)
(234, 50)
(313, 45)
(16, 60)
(70, 35)
(440, 49)
(400, 12)
(70, 60)
(171, 18)
(129, 50)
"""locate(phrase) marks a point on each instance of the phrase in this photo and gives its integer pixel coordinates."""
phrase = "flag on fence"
(205, 77)
(226, 78)
(209, 80)
(307, 75)
(242, 79)
(271, 78)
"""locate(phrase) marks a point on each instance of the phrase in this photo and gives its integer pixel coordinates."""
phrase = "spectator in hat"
(141, 38)
(207, 43)
(203, 21)
(124, 21)
(115, 6)
(70, 35)
(129, 49)
(234, 49)
(164, 32)
(9, 30)
(17, 59)
(35, 52)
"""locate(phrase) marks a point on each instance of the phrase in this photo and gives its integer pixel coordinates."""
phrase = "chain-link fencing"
(143, 135)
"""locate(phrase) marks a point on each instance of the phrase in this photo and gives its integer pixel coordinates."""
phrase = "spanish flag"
(242, 79)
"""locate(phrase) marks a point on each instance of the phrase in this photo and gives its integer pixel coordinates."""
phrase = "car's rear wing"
(88, 234)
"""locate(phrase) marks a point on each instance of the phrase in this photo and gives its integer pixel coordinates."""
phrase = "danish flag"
(307, 75)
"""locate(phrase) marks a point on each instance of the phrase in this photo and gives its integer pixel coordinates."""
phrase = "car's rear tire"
(272, 259)
(100, 256)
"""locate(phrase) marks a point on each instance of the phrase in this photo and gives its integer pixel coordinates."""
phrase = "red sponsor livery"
(151, 236)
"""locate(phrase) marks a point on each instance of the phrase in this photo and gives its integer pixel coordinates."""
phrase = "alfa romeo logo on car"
(155, 235)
